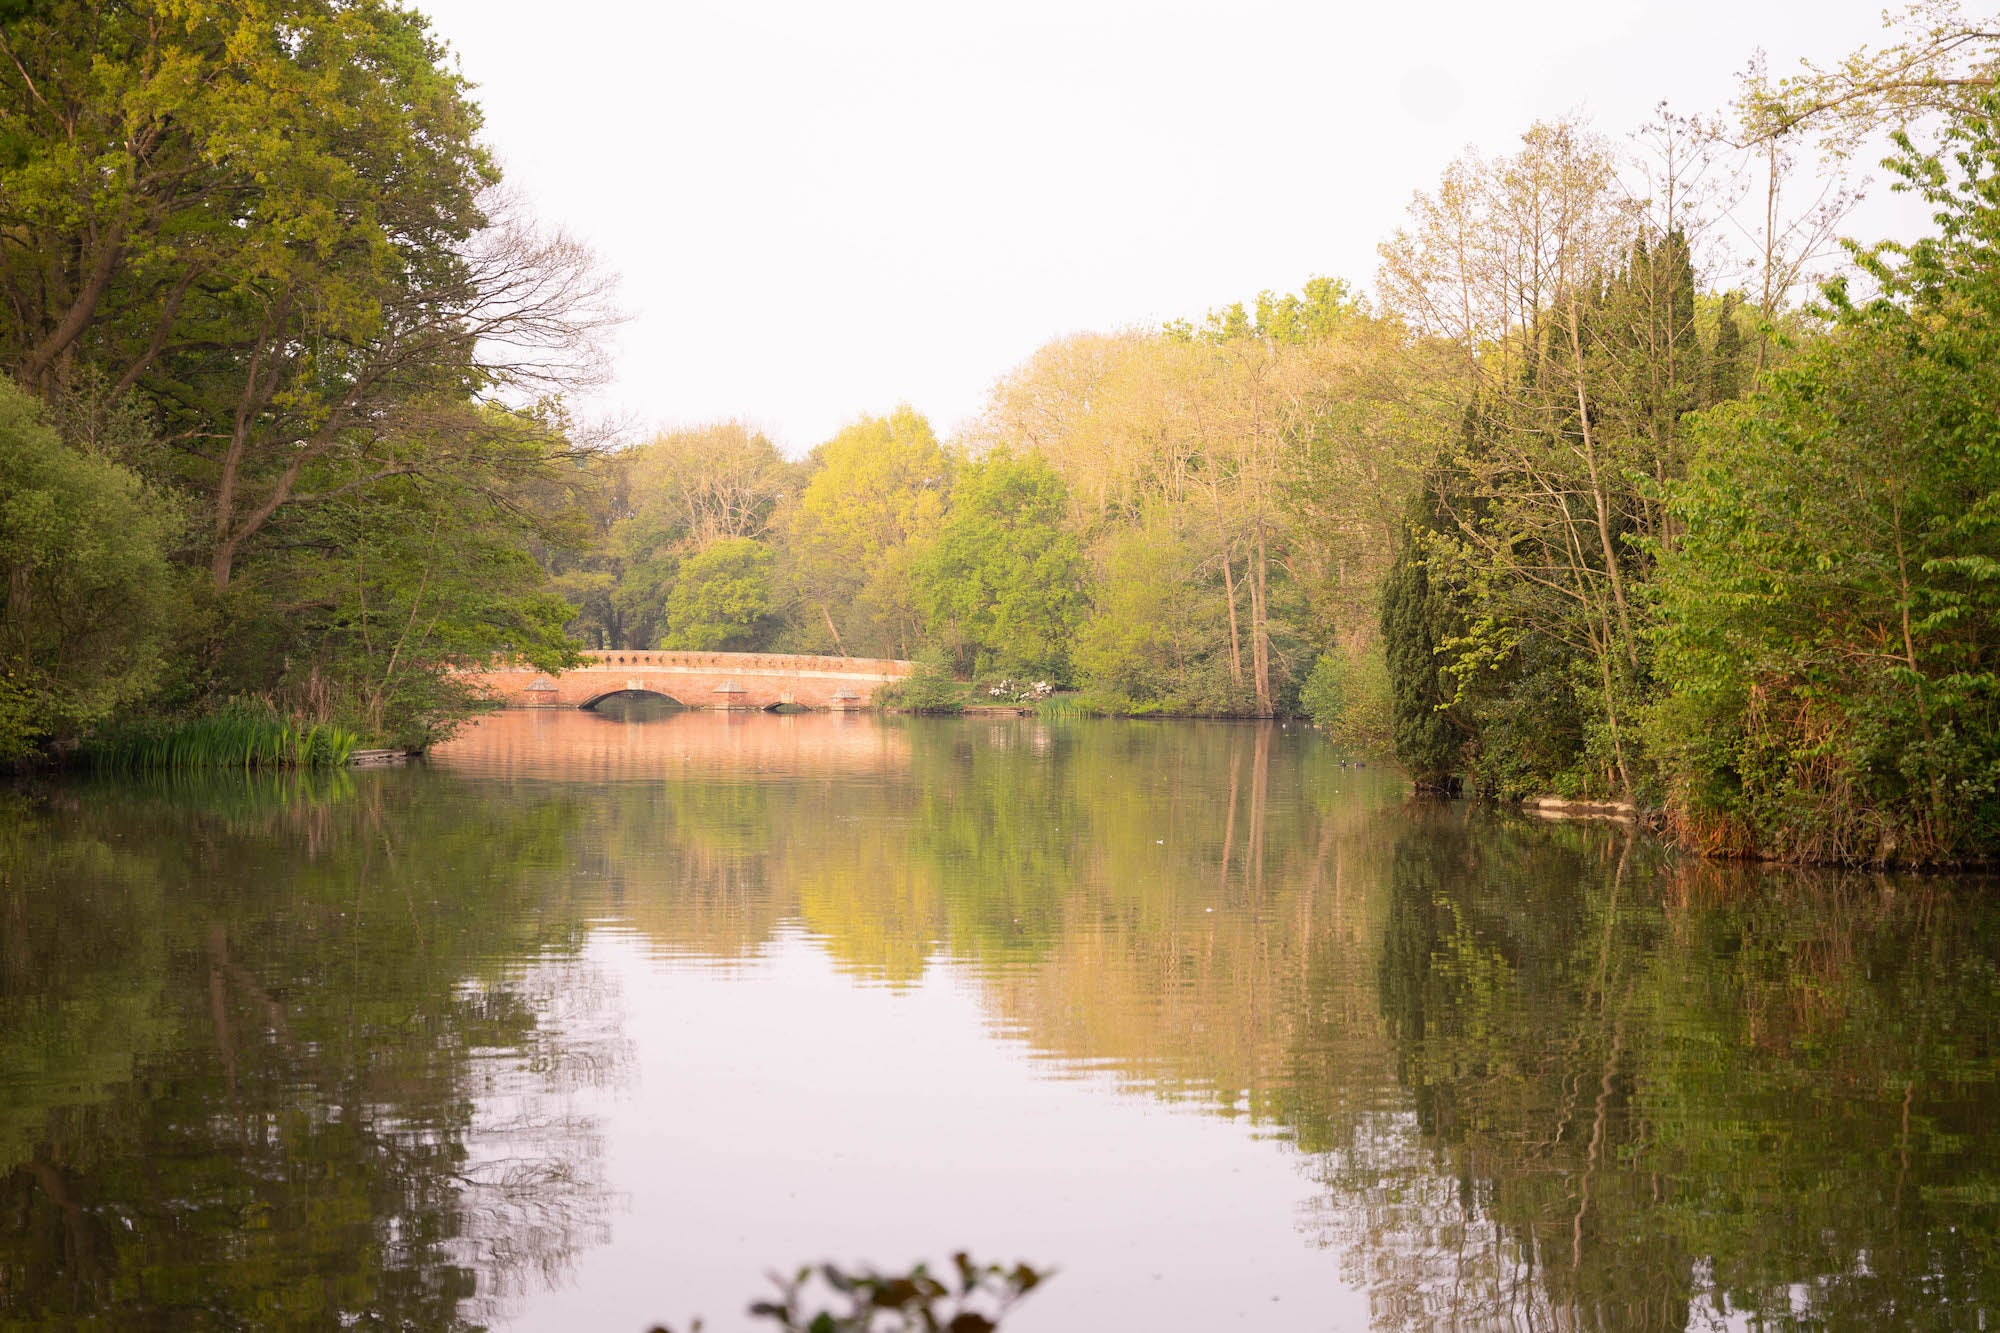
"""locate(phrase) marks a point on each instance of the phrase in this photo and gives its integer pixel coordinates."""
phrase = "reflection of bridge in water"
(699, 680)
(566, 746)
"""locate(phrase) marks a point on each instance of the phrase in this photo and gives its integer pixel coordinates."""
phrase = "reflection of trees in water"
(332, 1095)
(1640, 1096)
(296, 1053)
(1143, 897)
(1174, 934)
(530, 1190)
(1546, 1080)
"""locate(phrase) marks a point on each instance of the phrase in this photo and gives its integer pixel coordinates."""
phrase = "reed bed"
(239, 736)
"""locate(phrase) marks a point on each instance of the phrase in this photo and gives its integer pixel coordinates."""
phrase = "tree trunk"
(1598, 498)
(1260, 626)
(1229, 589)
(81, 311)
(827, 615)
(1235, 635)
(221, 564)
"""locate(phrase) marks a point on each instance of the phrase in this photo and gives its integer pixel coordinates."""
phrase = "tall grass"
(1063, 707)
(240, 735)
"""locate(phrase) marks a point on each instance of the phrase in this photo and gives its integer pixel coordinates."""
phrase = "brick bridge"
(698, 680)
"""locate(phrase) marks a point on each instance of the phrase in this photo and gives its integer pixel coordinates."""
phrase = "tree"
(722, 598)
(256, 254)
(1003, 586)
(1941, 63)
(1574, 309)
(1349, 700)
(1259, 462)
(83, 544)
(874, 498)
(692, 488)
(1310, 424)
(1415, 625)
(1831, 613)
(275, 223)
(649, 508)
(383, 590)
(1506, 260)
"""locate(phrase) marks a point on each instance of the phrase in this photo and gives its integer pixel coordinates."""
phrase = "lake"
(591, 1021)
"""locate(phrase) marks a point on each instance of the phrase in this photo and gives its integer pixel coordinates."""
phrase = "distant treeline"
(1594, 496)
(1182, 522)
(1634, 482)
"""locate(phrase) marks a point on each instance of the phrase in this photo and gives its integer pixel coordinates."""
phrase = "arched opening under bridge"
(631, 703)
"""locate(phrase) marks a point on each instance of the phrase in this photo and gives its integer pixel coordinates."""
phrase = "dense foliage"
(1831, 615)
(1690, 552)
(84, 548)
(285, 334)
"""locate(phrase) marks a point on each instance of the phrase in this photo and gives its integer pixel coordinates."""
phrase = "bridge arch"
(590, 705)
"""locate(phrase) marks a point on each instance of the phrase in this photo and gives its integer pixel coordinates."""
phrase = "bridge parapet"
(697, 680)
(787, 663)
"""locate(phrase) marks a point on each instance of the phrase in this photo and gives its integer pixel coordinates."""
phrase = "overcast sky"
(823, 209)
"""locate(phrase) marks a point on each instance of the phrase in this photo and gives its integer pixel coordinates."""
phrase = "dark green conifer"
(1725, 359)
(1414, 622)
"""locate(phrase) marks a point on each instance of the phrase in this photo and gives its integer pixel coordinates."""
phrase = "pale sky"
(819, 209)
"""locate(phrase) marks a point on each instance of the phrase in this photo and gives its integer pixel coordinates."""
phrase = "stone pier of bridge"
(697, 680)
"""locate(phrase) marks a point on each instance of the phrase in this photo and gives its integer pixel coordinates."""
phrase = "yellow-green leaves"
(876, 497)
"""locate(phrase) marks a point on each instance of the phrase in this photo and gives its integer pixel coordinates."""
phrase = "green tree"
(254, 253)
(1349, 699)
(1415, 624)
(273, 221)
(670, 498)
(1546, 514)
(1003, 586)
(1157, 639)
(1831, 638)
(83, 553)
(389, 588)
(1258, 463)
(875, 498)
(691, 488)
(722, 599)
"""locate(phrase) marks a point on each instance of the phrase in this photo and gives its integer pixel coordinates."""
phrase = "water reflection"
(1644, 1096)
(269, 1053)
(373, 1047)
(641, 740)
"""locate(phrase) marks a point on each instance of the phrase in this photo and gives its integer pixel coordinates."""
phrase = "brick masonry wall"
(699, 680)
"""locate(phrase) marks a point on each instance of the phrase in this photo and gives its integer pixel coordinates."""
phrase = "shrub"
(84, 585)
(1348, 698)
(928, 689)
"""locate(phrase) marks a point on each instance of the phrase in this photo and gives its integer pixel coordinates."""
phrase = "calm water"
(591, 1022)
